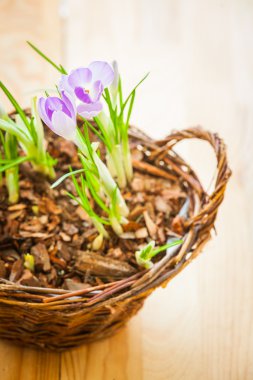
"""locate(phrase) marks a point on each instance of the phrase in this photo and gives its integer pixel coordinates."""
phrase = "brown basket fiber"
(58, 319)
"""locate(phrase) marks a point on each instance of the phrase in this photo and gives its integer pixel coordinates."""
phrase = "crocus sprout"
(8, 154)
(29, 133)
(59, 114)
(83, 200)
(145, 255)
(96, 181)
(12, 174)
(29, 262)
(116, 128)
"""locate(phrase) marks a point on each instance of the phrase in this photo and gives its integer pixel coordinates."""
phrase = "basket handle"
(209, 210)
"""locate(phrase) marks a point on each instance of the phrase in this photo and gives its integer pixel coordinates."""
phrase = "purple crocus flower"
(87, 84)
(59, 114)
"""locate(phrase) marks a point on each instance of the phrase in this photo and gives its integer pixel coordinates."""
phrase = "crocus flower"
(87, 84)
(59, 114)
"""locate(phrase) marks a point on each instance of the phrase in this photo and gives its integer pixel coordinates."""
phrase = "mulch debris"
(60, 236)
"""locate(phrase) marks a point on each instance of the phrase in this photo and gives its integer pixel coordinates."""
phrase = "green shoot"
(9, 164)
(65, 176)
(29, 133)
(92, 162)
(96, 182)
(83, 200)
(11, 173)
(145, 255)
(115, 129)
(60, 68)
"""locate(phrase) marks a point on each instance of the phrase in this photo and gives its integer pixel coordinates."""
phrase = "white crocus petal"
(64, 85)
(88, 111)
(64, 126)
(115, 83)
(101, 71)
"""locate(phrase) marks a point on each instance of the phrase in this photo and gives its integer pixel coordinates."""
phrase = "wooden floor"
(200, 57)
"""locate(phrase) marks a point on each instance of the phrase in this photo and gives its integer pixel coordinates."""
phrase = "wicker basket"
(58, 319)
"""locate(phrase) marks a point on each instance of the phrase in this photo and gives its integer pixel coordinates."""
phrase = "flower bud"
(115, 84)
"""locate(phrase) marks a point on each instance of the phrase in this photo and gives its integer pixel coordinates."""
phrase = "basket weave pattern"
(32, 316)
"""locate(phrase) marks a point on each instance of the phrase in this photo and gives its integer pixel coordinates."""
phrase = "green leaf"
(130, 111)
(120, 92)
(129, 96)
(63, 177)
(5, 161)
(96, 132)
(113, 114)
(165, 247)
(96, 197)
(144, 256)
(114, 203)
(87, 139)
(13, 163)
(60, 68)
(11, 146)
(104, 132)
(2, 138)
(15, 104)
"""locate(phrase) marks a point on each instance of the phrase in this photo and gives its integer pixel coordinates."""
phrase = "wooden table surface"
(200, 57)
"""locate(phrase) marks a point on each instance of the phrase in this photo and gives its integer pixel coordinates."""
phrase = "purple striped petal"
(42, 112)
(101, 71)
(83, 95)
(70, 103)
(53, 104)
(88, 111)
(79, 77)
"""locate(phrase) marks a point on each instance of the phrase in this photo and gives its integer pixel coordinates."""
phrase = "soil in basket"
(60, 236)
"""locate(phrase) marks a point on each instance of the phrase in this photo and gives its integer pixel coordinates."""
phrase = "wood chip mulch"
(58, 233)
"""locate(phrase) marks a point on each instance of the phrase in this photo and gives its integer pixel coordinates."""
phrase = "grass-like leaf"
(63, 177)
(60, 68)
(16, 105)
(13, 163)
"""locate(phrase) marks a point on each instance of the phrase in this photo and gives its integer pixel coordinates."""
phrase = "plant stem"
(127, 159)
(116, 225)
(110, 165)
(99, 226)
(44, 169)
(109, 185)
(12, 184)
(117, 159)
(11, 175)
(41, 154)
